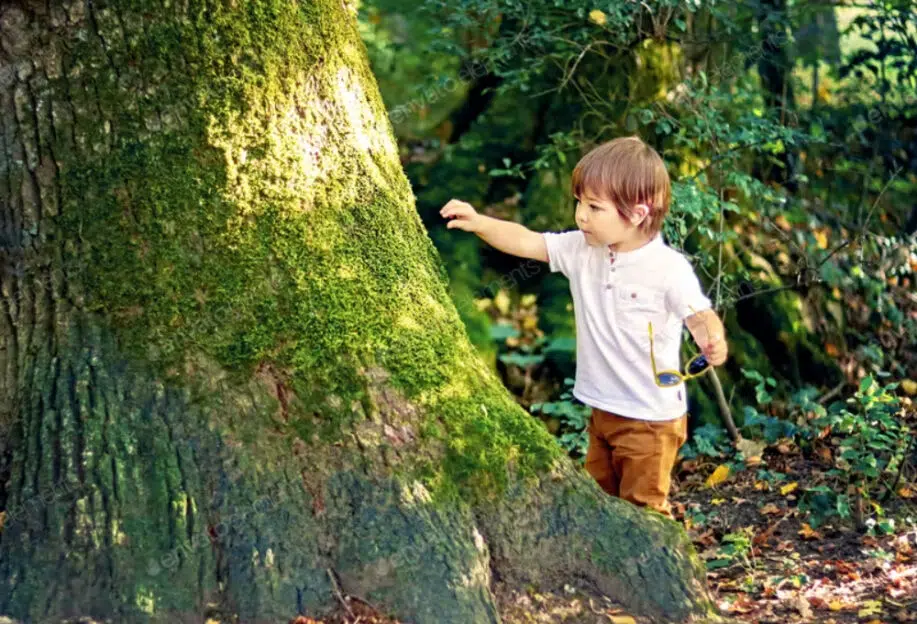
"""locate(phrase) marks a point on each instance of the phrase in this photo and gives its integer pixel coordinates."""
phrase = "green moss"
(250, 208)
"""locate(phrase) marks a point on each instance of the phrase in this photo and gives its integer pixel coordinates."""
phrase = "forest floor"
(766, 563)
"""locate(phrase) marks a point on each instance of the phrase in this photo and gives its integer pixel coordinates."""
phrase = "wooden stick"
(725, 412)
(337, 592)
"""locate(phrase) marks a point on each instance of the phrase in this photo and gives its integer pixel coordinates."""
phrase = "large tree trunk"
(229, 367)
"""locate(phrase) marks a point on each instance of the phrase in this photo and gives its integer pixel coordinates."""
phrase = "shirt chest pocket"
(637, 306)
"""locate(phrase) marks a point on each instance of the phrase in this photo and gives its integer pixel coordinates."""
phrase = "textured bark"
(229, 366)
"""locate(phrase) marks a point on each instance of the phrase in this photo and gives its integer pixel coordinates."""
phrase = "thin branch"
(725, 412)
(876, 203)
(764, 292)
(863, 227)
(337, 592)
(833, 392)
(904, 460)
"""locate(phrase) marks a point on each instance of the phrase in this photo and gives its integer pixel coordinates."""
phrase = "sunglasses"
(697, 366)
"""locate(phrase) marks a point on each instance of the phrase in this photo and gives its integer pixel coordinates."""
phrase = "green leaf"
(502, 331)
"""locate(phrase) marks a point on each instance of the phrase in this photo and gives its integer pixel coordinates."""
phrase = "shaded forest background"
(790, 132)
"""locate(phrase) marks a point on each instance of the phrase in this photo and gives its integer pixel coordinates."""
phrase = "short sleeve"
(564, 250)
(684, 295)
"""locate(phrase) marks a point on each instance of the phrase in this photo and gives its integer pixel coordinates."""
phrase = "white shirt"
(613, 303)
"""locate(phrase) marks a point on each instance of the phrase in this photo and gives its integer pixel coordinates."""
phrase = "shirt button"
(612, 268)
(607, 286)
(633, 295)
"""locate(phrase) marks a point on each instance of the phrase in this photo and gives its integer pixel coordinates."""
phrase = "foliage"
(574, 418)
(867, 437)
(872, 442)
(708, 440)
(791, 196)
(734, 548)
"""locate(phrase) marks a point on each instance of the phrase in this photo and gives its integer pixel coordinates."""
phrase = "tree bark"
(228, 360)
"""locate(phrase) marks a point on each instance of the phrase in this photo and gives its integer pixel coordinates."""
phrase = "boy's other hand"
(461, 215)
(709, 334)
(716, 350)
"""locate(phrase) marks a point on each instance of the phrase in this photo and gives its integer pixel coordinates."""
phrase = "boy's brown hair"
(627, 172)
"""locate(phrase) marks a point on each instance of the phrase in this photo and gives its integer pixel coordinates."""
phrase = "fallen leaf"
(622, 619)
(770, 509)
(870, 607)
(718, 476)
(789, 487)
(802, 605)
(716, 502)
(905, 492)
(751, 449)
(835, 605)
(808, 532)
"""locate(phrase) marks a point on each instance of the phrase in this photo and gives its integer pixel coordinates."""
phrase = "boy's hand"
(462, 215)
(709, 334)
(716, 350)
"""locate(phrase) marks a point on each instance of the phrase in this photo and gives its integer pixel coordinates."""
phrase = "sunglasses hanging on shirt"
(696, 367)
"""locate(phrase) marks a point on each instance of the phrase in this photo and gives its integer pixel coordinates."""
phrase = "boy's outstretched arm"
(508, 237)
(708, 332)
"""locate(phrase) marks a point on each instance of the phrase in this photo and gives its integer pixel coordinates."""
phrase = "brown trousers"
(633, 459)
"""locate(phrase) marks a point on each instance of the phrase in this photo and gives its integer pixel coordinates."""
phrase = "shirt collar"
(635, 255)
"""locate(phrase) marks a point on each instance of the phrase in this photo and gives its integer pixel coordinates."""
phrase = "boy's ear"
(639, 214)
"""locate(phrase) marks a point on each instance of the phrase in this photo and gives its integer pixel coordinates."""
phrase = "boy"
(623, 277)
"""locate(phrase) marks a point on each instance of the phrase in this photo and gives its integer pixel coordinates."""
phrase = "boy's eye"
(594, 207)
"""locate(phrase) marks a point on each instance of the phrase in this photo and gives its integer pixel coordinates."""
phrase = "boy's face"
(600, 221)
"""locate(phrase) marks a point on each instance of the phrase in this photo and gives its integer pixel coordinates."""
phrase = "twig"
(569, 76)
(878, 197)
(863, 226)
(719, 261)
(764, 292)
(904, 460)
(833, 392)
(366, 602)
(337, 592)
(725, 412)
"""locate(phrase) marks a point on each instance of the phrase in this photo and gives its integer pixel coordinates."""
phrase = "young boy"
(622, 277)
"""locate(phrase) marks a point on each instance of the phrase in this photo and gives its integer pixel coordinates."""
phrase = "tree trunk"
(775, 67)
(229, 366)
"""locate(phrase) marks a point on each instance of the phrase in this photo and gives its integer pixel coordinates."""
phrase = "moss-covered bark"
(229, 365)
